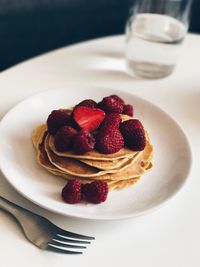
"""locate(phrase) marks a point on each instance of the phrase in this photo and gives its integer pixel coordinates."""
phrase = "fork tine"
(64, 245)
(60, 250)
(68, 240)
(74, 235)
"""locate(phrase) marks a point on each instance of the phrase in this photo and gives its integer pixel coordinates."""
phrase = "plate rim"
(104, 217)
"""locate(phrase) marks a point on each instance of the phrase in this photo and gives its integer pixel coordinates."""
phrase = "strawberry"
(88, 118)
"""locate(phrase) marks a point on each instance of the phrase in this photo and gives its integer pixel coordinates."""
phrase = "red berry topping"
(71, 193)
(116, 97)
(112, 119)
(128, 110)
(57, 119)
(109, 140)
(88, 103)
(64, 138)
(128, 126)
(95, 192)
(88, 118)
(137, 141)
(134, 134)
(111, 104)
(83, 142)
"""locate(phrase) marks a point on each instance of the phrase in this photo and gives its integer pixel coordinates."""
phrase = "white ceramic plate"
(172, 157)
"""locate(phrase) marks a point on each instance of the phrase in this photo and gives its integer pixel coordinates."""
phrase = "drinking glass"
(154, 34)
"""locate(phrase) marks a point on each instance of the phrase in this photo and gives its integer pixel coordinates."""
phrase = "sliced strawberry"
(88, 118)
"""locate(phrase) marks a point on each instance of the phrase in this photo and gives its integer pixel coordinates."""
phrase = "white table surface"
(167, 237)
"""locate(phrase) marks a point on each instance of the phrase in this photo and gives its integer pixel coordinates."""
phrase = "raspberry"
(57, 119)
(88, 103)
(128, 126)
(71, 193)
(83, 142)
(111, 104)
(137, 140)
(112, 119)
(117, 98)
(128, 110)
(134, 134)
(64, 138)
(95, 192)
(109, 140)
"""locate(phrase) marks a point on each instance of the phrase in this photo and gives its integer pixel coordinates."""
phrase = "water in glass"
(153, 44)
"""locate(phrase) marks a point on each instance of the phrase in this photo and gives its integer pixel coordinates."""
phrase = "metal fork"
(43, 233)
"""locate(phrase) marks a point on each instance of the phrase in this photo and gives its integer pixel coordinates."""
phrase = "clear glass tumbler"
(154, 33)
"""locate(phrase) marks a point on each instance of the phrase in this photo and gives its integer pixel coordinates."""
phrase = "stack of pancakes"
(119, 170)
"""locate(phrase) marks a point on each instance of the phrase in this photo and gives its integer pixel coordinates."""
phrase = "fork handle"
(12, 208)
(21, 214)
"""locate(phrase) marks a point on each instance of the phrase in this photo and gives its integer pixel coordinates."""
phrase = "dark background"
(31, 27)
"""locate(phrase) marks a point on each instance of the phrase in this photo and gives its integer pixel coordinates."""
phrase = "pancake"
(82, 170)
(38, 134)
(119, 170)
(105, 165)
(93, 155)
(137, 168)
(76, 167)
(99, 164)
(123, 183)
(44, 162)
